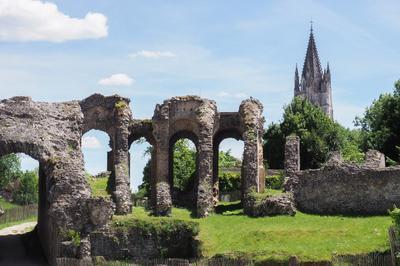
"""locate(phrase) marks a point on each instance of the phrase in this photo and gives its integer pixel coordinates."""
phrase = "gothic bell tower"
(314, 83)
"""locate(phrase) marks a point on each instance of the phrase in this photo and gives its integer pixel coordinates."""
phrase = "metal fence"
(154, 262)
(373, 259)
(19, 213)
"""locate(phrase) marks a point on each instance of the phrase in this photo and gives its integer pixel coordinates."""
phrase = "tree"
(227, 160)
(319, 135)
(380, 127)
(28, 188)
(9, 169)
(184, 165)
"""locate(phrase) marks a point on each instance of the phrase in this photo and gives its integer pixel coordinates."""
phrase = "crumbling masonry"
(52, 132)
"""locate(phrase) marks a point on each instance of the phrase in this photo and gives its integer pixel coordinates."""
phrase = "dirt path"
(18, 229)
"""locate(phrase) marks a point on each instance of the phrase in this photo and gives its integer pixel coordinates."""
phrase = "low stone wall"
(346, 189)
(260, 205)
(146, 239)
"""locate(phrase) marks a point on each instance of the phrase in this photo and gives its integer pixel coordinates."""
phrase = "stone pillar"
(205, 202)
(253, 128)
(292, 154)
(160, 187)
(110, 168)
(215, 174)
(122, 192)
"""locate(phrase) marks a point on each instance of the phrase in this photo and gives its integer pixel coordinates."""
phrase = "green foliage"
(184, 167)
(229, 181)
(74, 237)
(351, 146)
(28, 188)
(395, 215)
(227, 160)
(319, 136)
(9, 169)
(380, 125)
(274, 181)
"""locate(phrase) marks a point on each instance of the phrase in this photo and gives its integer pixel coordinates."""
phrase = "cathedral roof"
(312, 64)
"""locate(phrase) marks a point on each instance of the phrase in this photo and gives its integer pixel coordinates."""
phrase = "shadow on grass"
(228, 207)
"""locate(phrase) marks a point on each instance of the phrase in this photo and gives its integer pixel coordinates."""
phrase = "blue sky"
(223, 50)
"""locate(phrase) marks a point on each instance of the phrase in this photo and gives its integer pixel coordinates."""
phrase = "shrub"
(274, 181)
(229, 181)
(74, 237)
(395, 215)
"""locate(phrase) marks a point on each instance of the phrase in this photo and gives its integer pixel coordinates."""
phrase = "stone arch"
(112, 115)
(42, 155)
(51, 134)
(183, 114)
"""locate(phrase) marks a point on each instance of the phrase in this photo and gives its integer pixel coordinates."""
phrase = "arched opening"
(96, 147)
(23, 209)
(227, 168)
(183, 169)
(140, 170)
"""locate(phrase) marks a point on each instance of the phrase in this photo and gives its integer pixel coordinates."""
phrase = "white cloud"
(238, 95)
(90, 142)
(152, 54)
(117, 80)
(32, 20)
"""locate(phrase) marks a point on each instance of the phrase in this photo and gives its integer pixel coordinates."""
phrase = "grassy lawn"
(309, 237)
(7, 205)
(99, 186)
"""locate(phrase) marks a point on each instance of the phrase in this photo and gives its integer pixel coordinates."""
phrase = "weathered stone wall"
(346, 189)
(374, 159)
(260, 205)
(146, 240)
(51, 134)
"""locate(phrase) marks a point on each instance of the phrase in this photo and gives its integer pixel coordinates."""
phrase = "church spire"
(314, 84)
(312, 65)
(296, 80)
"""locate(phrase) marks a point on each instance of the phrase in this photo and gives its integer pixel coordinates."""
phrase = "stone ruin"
(52, 133)
(344, 188)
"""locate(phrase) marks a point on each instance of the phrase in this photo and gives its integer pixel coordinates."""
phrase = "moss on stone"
(121, 105)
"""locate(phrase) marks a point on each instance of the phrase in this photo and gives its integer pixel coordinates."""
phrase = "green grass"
(99, 186)
(5, 225)
(309, 237)
(5, 205)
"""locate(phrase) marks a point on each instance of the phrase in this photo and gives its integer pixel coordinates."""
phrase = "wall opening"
(140, 170)
(183, 169)
(228, 156)
(23, 209)
(96, 148)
